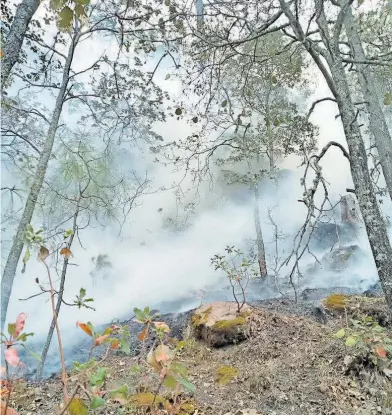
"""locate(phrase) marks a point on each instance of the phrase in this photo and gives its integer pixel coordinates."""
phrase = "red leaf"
(85, 328)
(381, 352)
(19, 325)
(99, 340)
(11, 356)
(115, 344)
(142, 336)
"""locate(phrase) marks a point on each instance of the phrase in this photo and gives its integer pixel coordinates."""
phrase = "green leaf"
(136, 369)
(82, 292)
(26, 256)
(23, 336)
(276, 122)
(388, 98)
(179, 369)
(125, 348)
(98, 378)
(274, 80)
(170, 382)
(340, 334)
(224, 103)
(97, 402)
(79, 10)
(68, 233)
(84, 2)
(139, 315)
(188, 385)
(350, 341)
(11, 328)
(178, 111)
(120, 394)
(77, 407)
(65, 18)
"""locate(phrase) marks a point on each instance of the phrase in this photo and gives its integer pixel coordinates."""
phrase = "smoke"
(151, 265)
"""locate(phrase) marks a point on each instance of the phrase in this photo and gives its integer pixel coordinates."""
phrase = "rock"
(219, 324)
(375, 290)
(328, 235)
(319, 313)
(338, 260)
(312, 294)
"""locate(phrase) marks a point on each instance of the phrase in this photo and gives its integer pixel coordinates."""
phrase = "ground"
(289, 365)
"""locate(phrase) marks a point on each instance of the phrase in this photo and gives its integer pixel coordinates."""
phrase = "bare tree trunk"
(378, 125)
(259, 233)
(14, 40)
(337, 82)
(60, 294)
(17, 244)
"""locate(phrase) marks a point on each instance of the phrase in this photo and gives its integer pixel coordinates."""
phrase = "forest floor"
(291, 364)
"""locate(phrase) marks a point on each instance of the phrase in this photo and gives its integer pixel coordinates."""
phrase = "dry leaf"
(66, 252)
(43, 253)
(85, 328)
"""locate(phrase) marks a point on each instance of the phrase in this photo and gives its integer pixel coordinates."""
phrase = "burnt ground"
(291, 364)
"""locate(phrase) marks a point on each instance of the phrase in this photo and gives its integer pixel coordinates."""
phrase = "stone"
(220, 324)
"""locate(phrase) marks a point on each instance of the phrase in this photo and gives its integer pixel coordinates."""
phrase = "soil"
(291, 364)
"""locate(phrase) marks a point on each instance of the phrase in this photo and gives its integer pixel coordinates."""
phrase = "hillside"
(289, 364)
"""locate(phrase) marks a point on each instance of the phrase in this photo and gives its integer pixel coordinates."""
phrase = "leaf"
(101, 339)
(159, 325)
(32, 353)
(140, 316)
(68, 233)
(85, 328)
(115, 344)
(120, 394)
(340, 334)
(167, 3)
(163, 353)
(388, 98)
(224, 103)
(20, 323)
(65, 18)
(125, 346)
(381, 352)
(11, 328)
(178, 111)
(77, 407)
(179, 369)
(11, 356)
(152, 361)
(143, 335)
(170, 382)
(82, 292)
(195, 119)
(43, 253)
(66, 252)
(23, 337)
(276, 122)
(188, 385)
(350, 341)
(98, 377)
(26, 256)
(167, 77)
(97, 402)
(83, 2)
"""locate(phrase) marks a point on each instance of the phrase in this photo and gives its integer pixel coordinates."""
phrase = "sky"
(151, 264)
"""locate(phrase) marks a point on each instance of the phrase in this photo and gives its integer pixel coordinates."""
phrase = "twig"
(70, 400)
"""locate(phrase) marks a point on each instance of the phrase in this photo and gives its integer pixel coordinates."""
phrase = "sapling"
(238, 269)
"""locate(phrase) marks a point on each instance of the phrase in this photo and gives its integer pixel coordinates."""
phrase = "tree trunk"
(378, 125)
(14, 40)
(17, 244)
(337, 82)
(60, 294)
(259, 233)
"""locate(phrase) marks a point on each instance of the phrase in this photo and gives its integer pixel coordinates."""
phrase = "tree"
(235, 24)
(111, 101)
(16, 34)
(85, 187)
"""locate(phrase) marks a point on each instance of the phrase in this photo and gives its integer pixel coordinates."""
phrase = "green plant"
(367, 340)
(238, 269)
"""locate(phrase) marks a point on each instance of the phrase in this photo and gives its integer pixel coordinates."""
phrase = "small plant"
(369, 342)
(238, 269)
(16, 337)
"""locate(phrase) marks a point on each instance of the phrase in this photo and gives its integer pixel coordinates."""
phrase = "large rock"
(328, 235)
(220, 324)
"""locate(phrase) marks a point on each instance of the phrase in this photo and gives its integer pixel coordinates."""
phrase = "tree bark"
(60, 294)
(337, 82)
(259, 233)
(377, 122)
(14, 40)
(17, 244)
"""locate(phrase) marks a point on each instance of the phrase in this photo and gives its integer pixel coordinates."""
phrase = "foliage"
(225, 375)
(238, 269)
(367, 340)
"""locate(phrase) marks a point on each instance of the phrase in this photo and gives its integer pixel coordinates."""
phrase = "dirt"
(289, 365)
